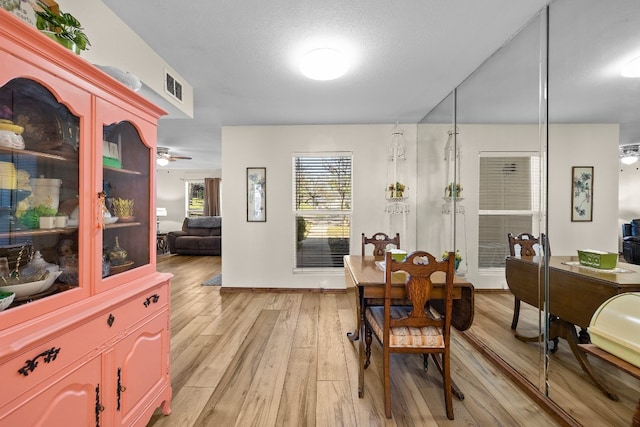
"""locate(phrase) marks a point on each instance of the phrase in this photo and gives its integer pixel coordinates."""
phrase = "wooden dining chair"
(414, 328)
(528, 244)
(380, 241)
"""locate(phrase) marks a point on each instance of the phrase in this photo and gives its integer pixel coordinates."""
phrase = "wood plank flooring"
(568, 385)
(283, 359)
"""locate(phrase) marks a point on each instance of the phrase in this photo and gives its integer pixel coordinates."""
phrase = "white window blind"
(322, 208)
(509, 202)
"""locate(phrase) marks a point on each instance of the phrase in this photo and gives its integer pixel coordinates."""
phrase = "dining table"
(575, 292)
(367, 275)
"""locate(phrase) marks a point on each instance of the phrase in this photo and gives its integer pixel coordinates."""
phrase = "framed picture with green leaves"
(582, 193)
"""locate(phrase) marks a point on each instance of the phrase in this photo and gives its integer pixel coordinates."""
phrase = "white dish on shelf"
(27, 289)
(110, 219)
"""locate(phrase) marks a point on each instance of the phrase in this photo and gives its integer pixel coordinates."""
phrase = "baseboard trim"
(492, 291)
(227, 289)
(549, 406)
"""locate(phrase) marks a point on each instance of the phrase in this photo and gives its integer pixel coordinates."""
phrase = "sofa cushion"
(204, 222)
(199, 232)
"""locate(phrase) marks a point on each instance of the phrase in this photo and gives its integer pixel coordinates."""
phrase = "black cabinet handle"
(152, 299)
(48, 356)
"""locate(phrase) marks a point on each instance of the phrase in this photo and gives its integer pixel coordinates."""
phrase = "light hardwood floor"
(568, 385)
(283, 359)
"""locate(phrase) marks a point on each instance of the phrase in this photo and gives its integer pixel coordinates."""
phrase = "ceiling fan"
(163, 157)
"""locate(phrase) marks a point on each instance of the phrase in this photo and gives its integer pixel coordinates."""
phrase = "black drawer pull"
(48, 356)
(152, 299)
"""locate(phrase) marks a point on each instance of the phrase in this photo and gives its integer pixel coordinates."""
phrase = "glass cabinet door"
(40, 248)
(125, 196)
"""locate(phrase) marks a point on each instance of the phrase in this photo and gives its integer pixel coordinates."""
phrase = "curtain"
(212, 196)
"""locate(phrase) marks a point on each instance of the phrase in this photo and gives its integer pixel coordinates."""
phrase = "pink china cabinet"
(85, 340)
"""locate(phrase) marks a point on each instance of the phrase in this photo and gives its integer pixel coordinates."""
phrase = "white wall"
(262, 254)
(583, 145)
(114, 43)
(569, 145)
(170, 193)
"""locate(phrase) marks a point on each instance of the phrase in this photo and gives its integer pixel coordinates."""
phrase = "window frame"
(296, 212)
(187, 198)
(536, 199)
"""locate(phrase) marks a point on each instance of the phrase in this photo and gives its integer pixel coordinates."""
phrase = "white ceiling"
(240, 58)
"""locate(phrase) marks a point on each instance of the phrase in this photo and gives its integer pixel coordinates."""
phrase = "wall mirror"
(518, 150)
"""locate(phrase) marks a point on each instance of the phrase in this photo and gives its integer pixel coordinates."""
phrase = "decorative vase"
(117, 255)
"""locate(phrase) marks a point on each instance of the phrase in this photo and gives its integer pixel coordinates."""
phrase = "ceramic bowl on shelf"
(126, 219)
(31, 288)
(6, 298)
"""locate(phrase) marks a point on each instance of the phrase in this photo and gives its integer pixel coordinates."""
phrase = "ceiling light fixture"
(162, 161)
(632, 68)
(324, 64)
(629, 153)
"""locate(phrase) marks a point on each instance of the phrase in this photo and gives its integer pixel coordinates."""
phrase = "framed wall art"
(582, 193)
(256, 194)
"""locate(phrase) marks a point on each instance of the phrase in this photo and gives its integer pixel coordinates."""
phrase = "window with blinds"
(509, 202)
(322, 208)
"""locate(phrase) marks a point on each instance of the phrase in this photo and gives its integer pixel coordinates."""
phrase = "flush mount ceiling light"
(629, 153)
(632, 68)
(324, 64)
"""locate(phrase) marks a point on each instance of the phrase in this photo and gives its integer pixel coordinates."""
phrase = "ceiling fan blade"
(181, 157)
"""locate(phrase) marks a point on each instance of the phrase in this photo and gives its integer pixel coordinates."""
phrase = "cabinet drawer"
(32, 366)
(139, 308)
(29, 368)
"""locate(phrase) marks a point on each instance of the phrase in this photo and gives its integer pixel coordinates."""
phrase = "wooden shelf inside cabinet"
(125, 171)
(5, 150)
(122, 224)
(40, 232)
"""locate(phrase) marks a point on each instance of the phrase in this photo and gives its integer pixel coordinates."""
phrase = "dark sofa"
(199, 236)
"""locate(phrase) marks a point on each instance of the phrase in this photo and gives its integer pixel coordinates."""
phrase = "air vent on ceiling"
(173, 86)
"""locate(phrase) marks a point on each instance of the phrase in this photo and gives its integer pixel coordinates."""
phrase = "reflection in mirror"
(592, 110)
(498, 114)
(508, 137)
(432, 137)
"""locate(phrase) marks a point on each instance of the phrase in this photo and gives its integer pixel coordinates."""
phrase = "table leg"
(361, 369)
(553, 335)
(559, 328)
(355, 335)
(568, 331)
